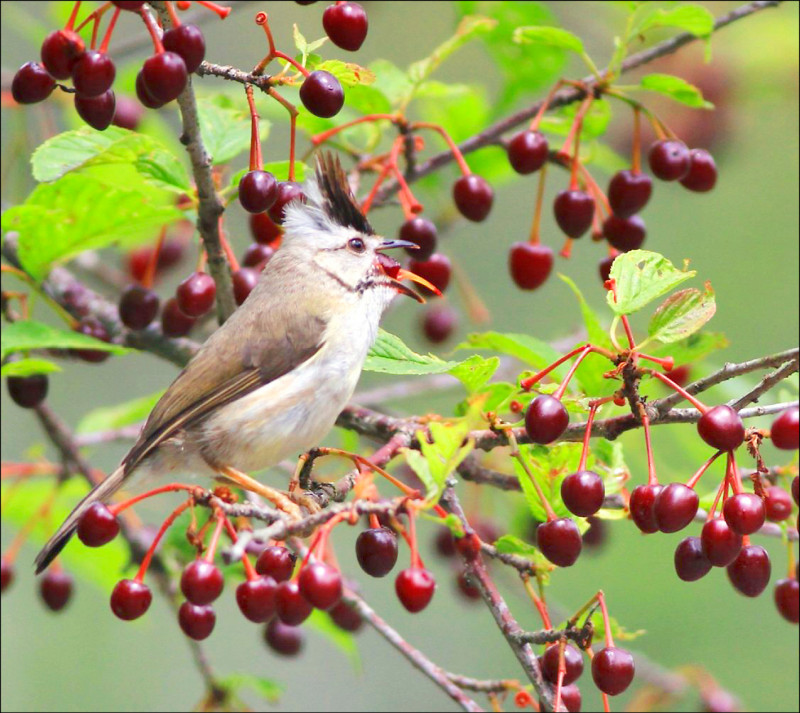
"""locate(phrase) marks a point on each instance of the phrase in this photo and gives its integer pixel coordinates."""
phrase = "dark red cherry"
(127, 114)
(277, 562)
(604, 268)
(188, 42)
(196, 294)
(722, 428)
(288, 191)
(164, 76)
(720, 543)
(629, 192)
(435, 270)
(473, 197)
(745, 513)
(786, 599)
(421, 232)
(778, 504)
(92, 327)
(32, 83)
(438, 322)
(702, 175)
(346, 25)
(130, 599)
(346, 617)
(322, 94)
(174, 323)
(257, 256)
(196, 621)
(93, 73)
(560, 541)
(691, 562)
(669, 159)
(612, 670)
(257, 191)
(263, 229)
(290, 605)
(750, 571)
(201, 582)
(143, 94)
(138, 307)
(55, 588)
(321, 585)
(97, 111)
(530, 265)
(785, 432)
(583, 492)
(546, 419)
(28, 391)
(624, 233)
(376, 551)
(414, 588)
(675, 507)
(527, 151)
(573, 662)
(641, 507)
(97, 526)
(244, 281)
(574, 211)
(61, 49)
(6, 574)
(256, 598)
(283, 639)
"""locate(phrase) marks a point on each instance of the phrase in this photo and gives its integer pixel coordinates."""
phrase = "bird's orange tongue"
(395, 272)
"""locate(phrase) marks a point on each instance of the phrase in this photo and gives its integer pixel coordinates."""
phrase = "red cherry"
(290, 605)
(438, 323)
(415, 587)
(702, 175)
(629, 192)
(196, 294)
(196, 621)
(473, 197)
(785, 432)
(346, 617)
(55, 589)
(750, 571)
(256, 598)
(669, 160)
(530, 265)
(612, 670)
(546, 419)
(283, 639)
(778, 504)
(97, 526)
(31, 84)
(130, 599)
(624, 234)
(288, 191)
(641, 505)
(720, 543)
(322, 94)
(277, 562)
(60, 51)
(263, 229)
(675, 507)
(93, 74)
(97, 111)
(201, 582)
(174, 323)
(376, 551)
(583, 493)
(188, 42)
(786, 599)
(321, 585)
(560, 541)
(28, 391)
(421, 232)
(164, 76)
(527, 151)
(745, 513)
(573, 662)
(435, 270)
(244, 281)
(574, 211)
(6, 574)
(346, 25)
(691, 562)
(722, 428)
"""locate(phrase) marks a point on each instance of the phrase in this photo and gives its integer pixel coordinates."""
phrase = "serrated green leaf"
(118, 415)
(682, 314)
(691, 18)
(693, 348)
(70, 150)
(269, 690)
(524, 347)
(390, 355)
(513, 545)
(551, 36)
(86, 211)
(640, 277)
(676, 88)
(102, 566)
(496, 395)
(322, 623)
(27, 367)
(348, 73)
(595, 331)
(475, 371)
(226, 128)
(29, 334)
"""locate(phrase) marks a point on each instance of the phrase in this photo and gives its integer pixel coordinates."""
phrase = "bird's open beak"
(393, 270)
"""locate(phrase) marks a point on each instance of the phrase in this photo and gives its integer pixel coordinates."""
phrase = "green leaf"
(84, 148)
(469, 27)
(595, 331)
(682, 314)
(390, 355)
(368, 100)
(475, 371)
(595, 122)
(691, 18)
(268, 689)
(348, 73)
(119, 415)
(693, 348)
(27, 367)
(83, 211)
(513, 545)
(551, 36)
(102, 566)
(225, 127)
(524, 347)
(676, 88)
(322, 623)
(390, 80)
(618, 632)
(29, 334)
(641, 277)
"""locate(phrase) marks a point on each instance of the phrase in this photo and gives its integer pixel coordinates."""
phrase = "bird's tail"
(100, 493)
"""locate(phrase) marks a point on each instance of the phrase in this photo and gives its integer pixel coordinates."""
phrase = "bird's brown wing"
(271, 334)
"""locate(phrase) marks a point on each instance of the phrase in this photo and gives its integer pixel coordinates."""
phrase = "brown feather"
(338, 200)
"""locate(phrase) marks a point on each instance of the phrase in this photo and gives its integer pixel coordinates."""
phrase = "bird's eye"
(356, 245)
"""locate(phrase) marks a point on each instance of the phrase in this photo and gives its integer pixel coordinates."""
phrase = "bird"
(270, 382)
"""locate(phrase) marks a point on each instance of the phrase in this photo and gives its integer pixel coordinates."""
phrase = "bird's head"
(335, 236)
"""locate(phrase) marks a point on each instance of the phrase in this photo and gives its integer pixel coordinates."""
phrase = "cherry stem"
(374, 522)
(299, 67)
(559, 392)
(541, 607)
(534, 126)
(416, 561)
(736, 478)
(668, 363)
(173, 15)
(212, 545)
(152, 28)
(574, 135)
(164, 527)
(263, 19)
(594, 188)
(636, 166)
(117, 508)
(292, 109)
(703, 468)
(701, 407)
(222, 11)
(459, 157)
(587, 436)
(526, 384)
(226, 246)
(73, 16)
(414, 206)
(317, 139)
(626, 325)
(515, 453)
(256, 162)
(95, 18)
(367, 204)
(652, 478)
(537, 211)
(720, 490)
(601, 599)
(562, 670)
(249, 570)
(149, 277)
(107, 37)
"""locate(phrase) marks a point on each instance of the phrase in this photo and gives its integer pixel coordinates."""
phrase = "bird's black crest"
(337, 198)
